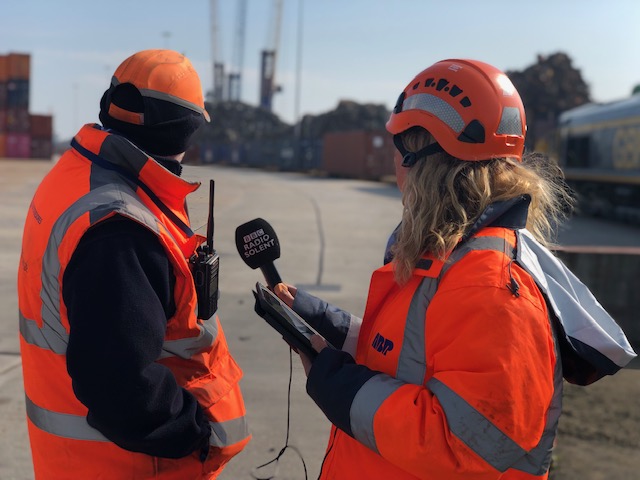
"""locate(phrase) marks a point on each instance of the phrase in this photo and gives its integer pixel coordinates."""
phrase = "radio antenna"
(212, 188)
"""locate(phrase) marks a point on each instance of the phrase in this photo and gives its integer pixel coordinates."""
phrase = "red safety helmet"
(472, 110)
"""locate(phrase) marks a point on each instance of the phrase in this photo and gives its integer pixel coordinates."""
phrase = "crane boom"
(268, 59)
(237, 58)
(217, 91)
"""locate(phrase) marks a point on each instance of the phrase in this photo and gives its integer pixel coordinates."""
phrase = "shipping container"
(17, 94)
(41, 147)
(3, 140)
(41, 126)
(18, 66)
(308, 154)
(215, 152)
(4, 72)
(17, 120)
(18, 145)
(358, 154)
(3, 95)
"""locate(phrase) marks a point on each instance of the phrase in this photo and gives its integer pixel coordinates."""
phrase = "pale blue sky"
(352, 49)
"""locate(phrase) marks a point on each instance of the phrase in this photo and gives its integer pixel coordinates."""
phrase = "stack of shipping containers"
(3, 104)
(21, 135)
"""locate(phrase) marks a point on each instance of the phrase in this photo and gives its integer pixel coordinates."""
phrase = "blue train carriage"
(599, 150)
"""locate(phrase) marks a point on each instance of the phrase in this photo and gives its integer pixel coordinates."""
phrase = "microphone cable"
(286, 442)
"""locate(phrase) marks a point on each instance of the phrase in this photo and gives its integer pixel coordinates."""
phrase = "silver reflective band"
(188, 347)
(510, 122)
(412, 362)
(46, 337)
(75, 427)
(227, 433)
(496, 244)
(97, 203)
(536, 461)
(366, 404)
(145, 92)
(435, 106)
(475, 430)
(62, 424)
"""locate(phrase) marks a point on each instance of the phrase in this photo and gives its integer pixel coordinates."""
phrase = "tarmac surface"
(332, 235)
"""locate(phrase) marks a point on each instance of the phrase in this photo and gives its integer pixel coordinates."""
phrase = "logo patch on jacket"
(381, 344)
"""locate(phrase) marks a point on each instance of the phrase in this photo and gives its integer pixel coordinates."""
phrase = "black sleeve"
(330, 321)
(118, 289)
(333, 382)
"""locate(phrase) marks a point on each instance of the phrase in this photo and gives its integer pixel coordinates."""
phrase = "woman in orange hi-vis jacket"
(455, 370)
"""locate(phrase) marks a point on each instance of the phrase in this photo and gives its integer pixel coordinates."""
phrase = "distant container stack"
(22, 135)
(364, 154)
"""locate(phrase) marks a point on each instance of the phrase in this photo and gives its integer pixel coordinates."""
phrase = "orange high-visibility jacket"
(463, 378)
(102, 176)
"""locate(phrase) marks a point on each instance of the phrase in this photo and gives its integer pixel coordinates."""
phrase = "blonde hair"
(443, 196)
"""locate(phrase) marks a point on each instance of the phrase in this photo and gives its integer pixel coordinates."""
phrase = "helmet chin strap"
(409, 159)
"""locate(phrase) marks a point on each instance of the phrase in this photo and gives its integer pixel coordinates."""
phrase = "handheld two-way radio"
(206, 265)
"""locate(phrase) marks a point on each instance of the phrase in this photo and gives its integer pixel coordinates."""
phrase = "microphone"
(258, 246)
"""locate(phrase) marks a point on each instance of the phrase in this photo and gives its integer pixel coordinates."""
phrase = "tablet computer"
(293, 328)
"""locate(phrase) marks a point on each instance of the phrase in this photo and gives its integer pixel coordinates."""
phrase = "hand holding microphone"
(258, 246)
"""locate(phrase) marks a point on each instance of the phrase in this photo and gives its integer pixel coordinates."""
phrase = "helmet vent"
(443, 82)
(473, 133)
(455, 91)
(465, 102)
(399, 102)
(510, 123)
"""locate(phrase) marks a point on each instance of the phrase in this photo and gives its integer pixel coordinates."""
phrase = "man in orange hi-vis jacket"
(455, 370)
(123, 377)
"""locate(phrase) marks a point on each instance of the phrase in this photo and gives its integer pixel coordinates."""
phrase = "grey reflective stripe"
(504, 450)
(412, 364)
(350, 344)
(76, 427)
(62, 424)
(227, 433)
(173, 99)
(538, 460)
(365, 405)
(436, 106)
(188, 347)
(99, 203)
(477, 243)
(146, 92)
(475, 430)
(510, 122)
(46, 337)
(412, 360)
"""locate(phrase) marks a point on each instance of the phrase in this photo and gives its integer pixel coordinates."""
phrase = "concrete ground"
(332, 235)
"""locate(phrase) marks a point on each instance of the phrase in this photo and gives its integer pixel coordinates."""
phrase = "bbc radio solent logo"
(256, 242)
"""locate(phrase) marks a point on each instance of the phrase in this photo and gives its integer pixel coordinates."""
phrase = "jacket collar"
(125, 156)
(511, 214)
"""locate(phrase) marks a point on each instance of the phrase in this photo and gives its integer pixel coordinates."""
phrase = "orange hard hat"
(471, 108)
(163, 75)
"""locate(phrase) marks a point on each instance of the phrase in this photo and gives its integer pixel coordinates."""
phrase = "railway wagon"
(599, 150)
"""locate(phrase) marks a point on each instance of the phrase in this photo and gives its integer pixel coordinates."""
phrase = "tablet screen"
(292, 317)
